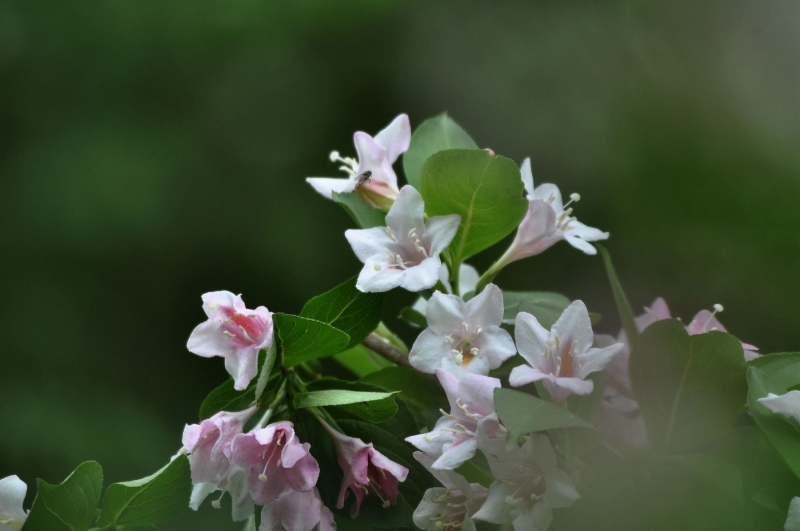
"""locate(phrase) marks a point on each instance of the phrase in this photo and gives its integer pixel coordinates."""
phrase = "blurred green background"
(153, 150)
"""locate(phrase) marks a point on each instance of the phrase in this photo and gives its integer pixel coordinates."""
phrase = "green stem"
(281, 394)
(488, 276)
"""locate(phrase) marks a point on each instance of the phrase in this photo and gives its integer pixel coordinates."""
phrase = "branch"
(381, 346)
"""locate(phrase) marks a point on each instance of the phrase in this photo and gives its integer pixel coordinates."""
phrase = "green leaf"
(69, 506)
(522, 413)
(365, 401)
(337, 397)
(413, 317)
(304, 339)
(226, 398)
(362, 361)
(485, 190)
(783, 369)
(781, 432)
(365, 215)
(433, 135)
(623, 307)
(148, 501)
(416, 389)
(718, 473)
(690, 388)
(347, 309)
(544, 305)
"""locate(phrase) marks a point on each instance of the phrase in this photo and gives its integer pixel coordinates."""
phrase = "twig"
(382, 347)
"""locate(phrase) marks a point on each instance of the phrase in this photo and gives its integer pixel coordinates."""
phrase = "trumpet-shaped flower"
(529, 484)
(563, 357)
(12, 494)
(547, 222)
(234, 333)
(235, 484)
(366, 471)
(297, 511)
(453, 441)
(405, 253)
(209, 444)
(372, 175)
(463, 337)
(275, 459)
(451, 506)
(787, 404)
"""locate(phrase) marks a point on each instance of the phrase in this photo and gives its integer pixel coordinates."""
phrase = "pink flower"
(547, 222)
(297, 511)
(703, 322)
(376, 156)
(275, 459)
(209, 444)
(452, 441)
(366, 471)
(232, 332)
(561, 358)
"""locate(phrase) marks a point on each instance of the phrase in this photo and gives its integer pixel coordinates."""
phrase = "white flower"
(547, 222)
(375, 158)
(561, 358)
(529, 484)
(463, 337)
(452, 441)
(449, 507)
(467, 281)
(12, 494)
(405, 253)
(787, 404)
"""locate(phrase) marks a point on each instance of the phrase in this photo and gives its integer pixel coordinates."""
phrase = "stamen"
(474, 351)
(478, 330)
(448, 415)
(216, 504)
(390, 235)
(449, 339)
(573, 198)
(334, 156)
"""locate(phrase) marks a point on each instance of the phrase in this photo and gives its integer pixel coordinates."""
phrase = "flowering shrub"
(508, 409)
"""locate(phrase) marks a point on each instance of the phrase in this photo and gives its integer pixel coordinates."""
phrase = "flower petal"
(407, 213)
(395, 138)
(523, 374)
(370, 154)
(596, 359)
(486, 308)
(547, 191)
(423, 276)
(372, 280)
(326, 186)
(367, 243)
(584, 232)
(428, 351)
(580, 244)
(440, 231)
(496, 346)
(455, 456)
(787, 404)
(446, 314)
(242, 365)
(527, 176)
(495, 510)
(531, 339)
(574, 328)
(207, 340)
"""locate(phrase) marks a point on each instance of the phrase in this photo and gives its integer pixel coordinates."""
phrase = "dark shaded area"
(151, 151)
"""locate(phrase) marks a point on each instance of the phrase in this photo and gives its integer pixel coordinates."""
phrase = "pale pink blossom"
(235, 484)
(452, 441)
(451, 506)
(209, 444)
(406, 252)
(297, 511)
(547, 222)
(12, 495)
(561, 358)
(704, 321)
(528, 485)
(375, 158)
(232, 332)
(275, 459)
(463, 337)
(366, 471)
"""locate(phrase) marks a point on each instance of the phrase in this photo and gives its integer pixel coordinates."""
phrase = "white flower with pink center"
(232, 332)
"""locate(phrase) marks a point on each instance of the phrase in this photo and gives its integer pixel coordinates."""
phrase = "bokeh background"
(151, 151)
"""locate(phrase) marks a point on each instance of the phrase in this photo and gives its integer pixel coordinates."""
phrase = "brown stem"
(379, 345)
